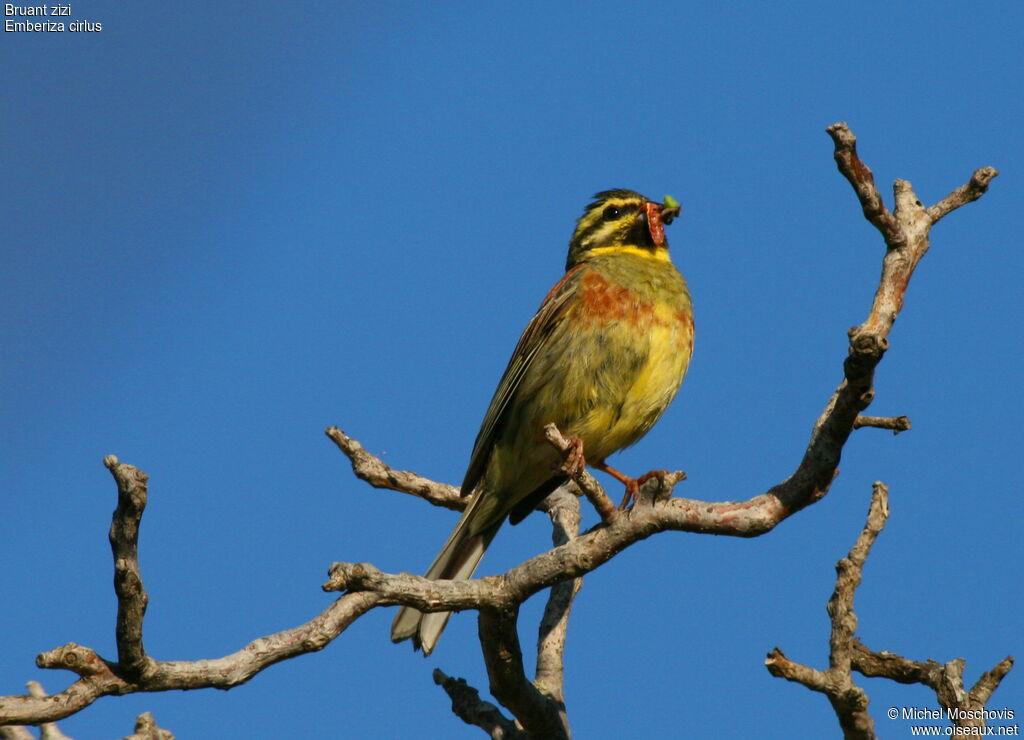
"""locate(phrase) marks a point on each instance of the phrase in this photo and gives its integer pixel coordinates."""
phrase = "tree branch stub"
(132, 598)
(471, 709)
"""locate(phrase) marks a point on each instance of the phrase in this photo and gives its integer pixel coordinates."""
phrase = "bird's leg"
(632, 484)
(574, 465)
(632, 487)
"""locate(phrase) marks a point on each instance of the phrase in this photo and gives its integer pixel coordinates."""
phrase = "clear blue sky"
(226, 226)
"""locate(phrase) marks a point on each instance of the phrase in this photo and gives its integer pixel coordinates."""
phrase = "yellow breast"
(637, 327)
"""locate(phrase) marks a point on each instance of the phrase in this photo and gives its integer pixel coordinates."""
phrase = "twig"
(896, 423)
(989, 681)
(850, 572)
(378, 474)
(471, 709)
(124, 544)
(863, 182)
(221, 673)
(906, 231)
(974, 189)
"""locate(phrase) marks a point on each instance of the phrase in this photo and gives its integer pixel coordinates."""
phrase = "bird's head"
(622, 221)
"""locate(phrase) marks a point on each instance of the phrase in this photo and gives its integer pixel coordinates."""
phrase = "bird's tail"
(457, 560)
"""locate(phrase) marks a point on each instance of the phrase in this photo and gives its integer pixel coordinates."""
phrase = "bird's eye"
(610, 213)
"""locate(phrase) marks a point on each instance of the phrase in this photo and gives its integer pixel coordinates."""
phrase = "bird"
(602, 359)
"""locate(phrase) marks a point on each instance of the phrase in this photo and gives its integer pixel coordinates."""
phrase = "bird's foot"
(632, 484)
(633, 487)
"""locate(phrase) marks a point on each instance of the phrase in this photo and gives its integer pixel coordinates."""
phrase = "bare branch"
(974, 189)
(849, 572)
(124, 543)
(906, 233)
(135, 671)
(99, 677)
(471, 709)
(884, 664)
(848, 700)
(989, 681)
(47, 730)
(564, 511)
(378, 474)
(848, 653)
(782, 667)
(539, 706)
(962, 707)
(896, 423)
(863, 182)
(652, 514)
(539, 714)
(145, 726)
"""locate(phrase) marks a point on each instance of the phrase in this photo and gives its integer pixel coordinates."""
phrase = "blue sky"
(227, 226)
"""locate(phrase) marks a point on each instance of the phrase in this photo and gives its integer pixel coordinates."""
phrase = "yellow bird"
(602, 359)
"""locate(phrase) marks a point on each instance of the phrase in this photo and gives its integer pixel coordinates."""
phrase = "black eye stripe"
(618, 210)
(611, 213)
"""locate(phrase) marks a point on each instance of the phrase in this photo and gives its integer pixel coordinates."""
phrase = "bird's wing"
(548, 317)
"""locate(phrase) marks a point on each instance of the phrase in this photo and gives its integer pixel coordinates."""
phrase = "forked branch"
(99, 677)
(848, 700)
(964, 708)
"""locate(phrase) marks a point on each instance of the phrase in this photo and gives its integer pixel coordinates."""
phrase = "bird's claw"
(632, 491)
(575, 463)
(633, 486)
